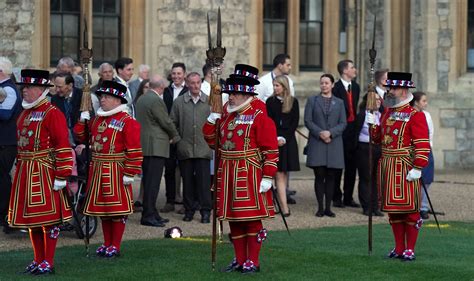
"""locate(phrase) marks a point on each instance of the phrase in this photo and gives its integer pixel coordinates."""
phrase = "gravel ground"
(452, 193)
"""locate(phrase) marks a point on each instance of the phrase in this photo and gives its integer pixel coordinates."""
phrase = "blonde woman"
(283, 109)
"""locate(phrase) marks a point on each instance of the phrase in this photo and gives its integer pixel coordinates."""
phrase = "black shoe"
(187, 218)
(352, 204)
(7, 229)
(152, 222)
(205, 218)
(329, 214)
(424, 215)
(291, 192)
(338, 204)
(377, 213)
(366, 212)
(287, 214)
(161, 219)
(290, 200)
(320, 214)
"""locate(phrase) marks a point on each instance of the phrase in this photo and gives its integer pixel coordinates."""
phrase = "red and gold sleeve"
(268, 144)
(59, 137)
(133, 149)
(79, 131)
(209, 132)
(420, 138)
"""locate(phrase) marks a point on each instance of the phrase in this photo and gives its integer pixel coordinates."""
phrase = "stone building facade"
(427, 38)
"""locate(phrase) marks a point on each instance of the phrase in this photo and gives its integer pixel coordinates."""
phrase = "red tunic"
(248, 152)
(116, 151)
(403, 133)
(44, 154)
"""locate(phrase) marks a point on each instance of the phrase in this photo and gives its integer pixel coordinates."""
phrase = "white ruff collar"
(403, 102)
(38, 100)
(231, 109)
(101, 112)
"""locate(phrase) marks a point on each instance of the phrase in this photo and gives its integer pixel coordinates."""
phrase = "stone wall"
(183, 31)
(16, 29)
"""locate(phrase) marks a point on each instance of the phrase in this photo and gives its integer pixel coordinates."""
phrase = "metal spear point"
(209, 33)
(219, 34)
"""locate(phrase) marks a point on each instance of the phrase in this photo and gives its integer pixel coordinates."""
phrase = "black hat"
(399, 80)
(113, 88)
(35, 77)
(243, 80)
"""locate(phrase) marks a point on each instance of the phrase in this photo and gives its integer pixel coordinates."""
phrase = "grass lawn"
(334, 253)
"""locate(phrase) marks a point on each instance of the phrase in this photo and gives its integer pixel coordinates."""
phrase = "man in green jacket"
(157, 132)
(189, 113)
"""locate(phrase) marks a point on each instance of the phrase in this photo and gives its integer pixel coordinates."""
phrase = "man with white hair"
(143, 73)
(106, 73)
(66, 65)
(10, 108)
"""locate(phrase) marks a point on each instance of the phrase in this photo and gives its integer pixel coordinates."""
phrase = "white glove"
(279, 138)
(413, 174)
(213, 117)
(265, 185)
(85, 115)
(59, 184)
(370, 119)
(128, 180)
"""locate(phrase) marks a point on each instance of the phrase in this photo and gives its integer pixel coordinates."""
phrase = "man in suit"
(68, 100)
(349, 91)
(143, 73)
(66, 65)
(124, 69)
(175, 89)
(157, 132)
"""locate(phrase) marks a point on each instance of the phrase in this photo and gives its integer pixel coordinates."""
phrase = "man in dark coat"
(349, 91)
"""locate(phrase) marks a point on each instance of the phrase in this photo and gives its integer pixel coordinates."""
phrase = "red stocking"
(37, 241)
(412, 229)
(239, 240)
(51, 234)
(398, 229)
(107, 231)
(253, 230)
(118, 228)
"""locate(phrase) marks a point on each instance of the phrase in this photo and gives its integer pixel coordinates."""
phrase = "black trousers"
(196, 176)
(152, 167)
(7, 158)
(170, 175)
(324, 185)
(350, 169)
(364, 174)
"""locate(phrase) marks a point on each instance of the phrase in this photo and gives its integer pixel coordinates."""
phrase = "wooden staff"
(86, 105)
(215, 58)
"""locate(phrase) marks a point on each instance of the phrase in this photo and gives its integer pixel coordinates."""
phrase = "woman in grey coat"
(325, 118)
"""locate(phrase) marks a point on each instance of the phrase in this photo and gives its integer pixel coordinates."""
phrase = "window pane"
(111, 50)
(71, 47)
(55, 5)
(314, 32)
(310, 33)
(278, 32)
(97, 6)
(98, 49)
(267, 32)
(314, 52)
(303, 30)
(111, 27)
(111, 6)
(275, 9)
(55, 24)
(311, 10)
(98, 25)
(56, 49)
(70, 5)
(70, 25)
(470, 35)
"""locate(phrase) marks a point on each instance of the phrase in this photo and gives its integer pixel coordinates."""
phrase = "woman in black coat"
(283, 109)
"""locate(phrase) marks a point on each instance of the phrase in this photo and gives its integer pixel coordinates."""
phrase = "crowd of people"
(151, 127)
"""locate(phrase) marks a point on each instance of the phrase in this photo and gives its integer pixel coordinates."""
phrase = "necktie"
(351, 114)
